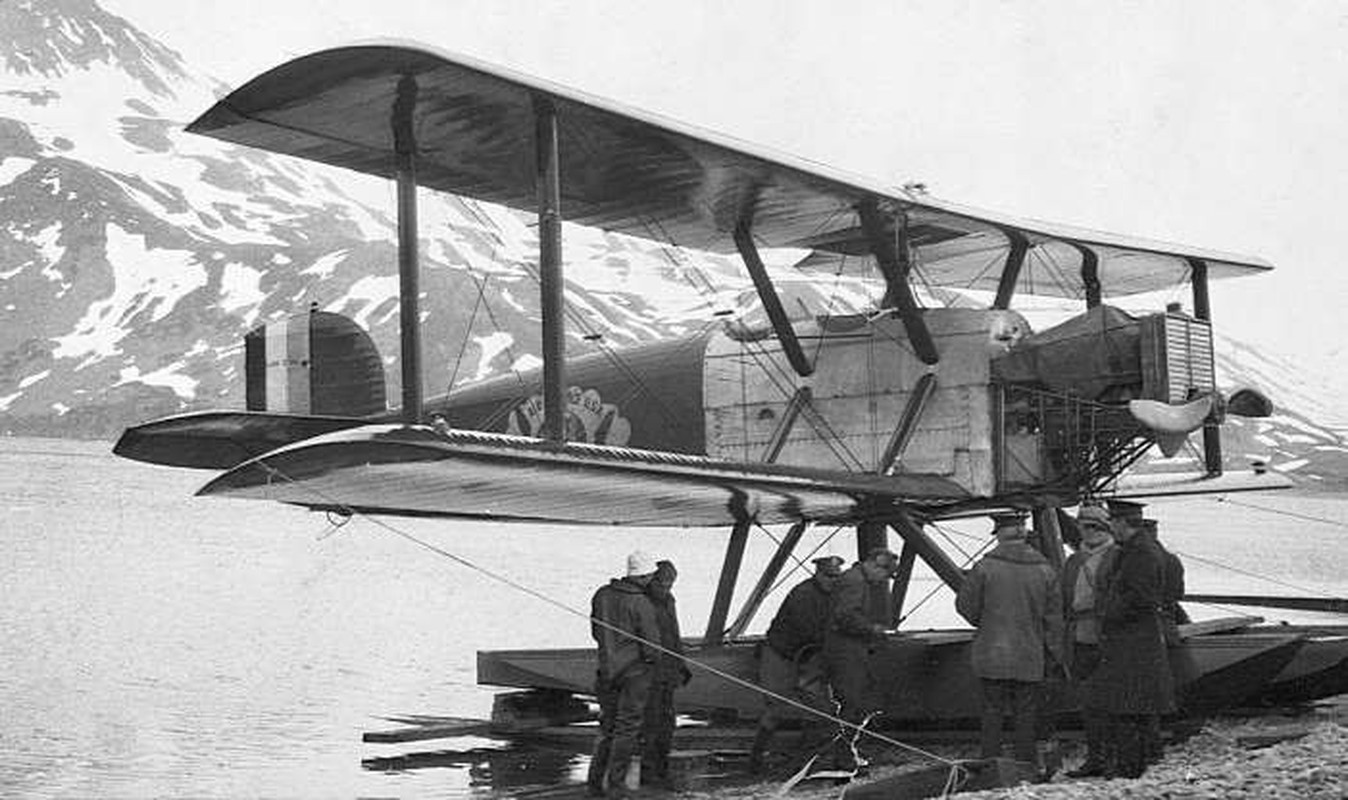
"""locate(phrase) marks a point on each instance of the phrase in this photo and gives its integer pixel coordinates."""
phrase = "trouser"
(803, 680)
(622, 708)
(658, 732)
(1085, 658)
(850, 669)
(1016, 699)
(1127, 743)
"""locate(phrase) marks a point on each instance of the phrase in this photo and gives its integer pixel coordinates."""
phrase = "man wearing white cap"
(623, 624)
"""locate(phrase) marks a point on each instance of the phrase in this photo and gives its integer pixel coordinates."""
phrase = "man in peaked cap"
(624, 625)
(1132, 683)
(1125, 512)
(791, 659)
(1012, 597)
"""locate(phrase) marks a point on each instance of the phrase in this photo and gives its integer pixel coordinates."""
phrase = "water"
(157, 644)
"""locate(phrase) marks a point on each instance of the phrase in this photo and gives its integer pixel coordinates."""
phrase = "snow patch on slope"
(143, 278)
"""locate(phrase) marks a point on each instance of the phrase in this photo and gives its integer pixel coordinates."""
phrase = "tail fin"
(317, 363)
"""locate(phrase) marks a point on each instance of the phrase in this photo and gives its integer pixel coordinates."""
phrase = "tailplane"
(317, 363)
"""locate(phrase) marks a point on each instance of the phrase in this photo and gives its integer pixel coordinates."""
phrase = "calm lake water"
(157, 644)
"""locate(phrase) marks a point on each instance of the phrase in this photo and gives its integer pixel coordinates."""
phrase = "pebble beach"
(1302, 756)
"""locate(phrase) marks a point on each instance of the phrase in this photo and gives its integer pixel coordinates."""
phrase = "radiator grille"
(1177, 362)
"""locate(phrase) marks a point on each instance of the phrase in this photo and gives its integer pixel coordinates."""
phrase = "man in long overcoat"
(1133, 681)
(850, 647)
(1012, 597)
(623, 624)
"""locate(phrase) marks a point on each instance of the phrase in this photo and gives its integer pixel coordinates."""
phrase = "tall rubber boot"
(759, 750)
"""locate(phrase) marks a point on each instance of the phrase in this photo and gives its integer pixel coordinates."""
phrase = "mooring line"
(841, 723)
(1280, 512)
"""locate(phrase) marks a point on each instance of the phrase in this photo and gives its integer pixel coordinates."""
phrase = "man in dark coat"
(1133, 681)
(791, 660)
(850, 648)
(1082, 604)
(671, 672)
(1012, 597)
(623, 624)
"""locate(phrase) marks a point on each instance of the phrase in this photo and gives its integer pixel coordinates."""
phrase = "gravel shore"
(1303, 757)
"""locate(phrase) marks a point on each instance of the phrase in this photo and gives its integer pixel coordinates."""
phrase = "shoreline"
(1302, 755)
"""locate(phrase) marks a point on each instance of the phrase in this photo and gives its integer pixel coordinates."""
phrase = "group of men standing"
(1105, 621)
(635, 622)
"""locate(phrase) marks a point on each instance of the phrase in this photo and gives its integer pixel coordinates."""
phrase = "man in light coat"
(1012, 597)
(1083, 606)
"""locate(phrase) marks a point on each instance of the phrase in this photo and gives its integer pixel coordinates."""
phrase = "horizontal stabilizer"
(417, 471)
(1161, 484)
(221, 439)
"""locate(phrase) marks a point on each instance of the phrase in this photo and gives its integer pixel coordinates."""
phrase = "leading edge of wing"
(418, 471)
(624, 169)
(1162, 484)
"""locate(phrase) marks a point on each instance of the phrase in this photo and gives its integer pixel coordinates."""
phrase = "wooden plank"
(420, 731)
(1219, 625)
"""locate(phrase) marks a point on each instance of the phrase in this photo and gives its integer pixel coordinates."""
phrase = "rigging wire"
(941, 584)
(1280, 512)
(472, 320)
(538, 595)
(1250, 574)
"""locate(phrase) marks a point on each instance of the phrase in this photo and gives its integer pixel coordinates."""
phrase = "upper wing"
(415, 470)
(634, 172)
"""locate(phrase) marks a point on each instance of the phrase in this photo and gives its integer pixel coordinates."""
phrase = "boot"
(759, 750)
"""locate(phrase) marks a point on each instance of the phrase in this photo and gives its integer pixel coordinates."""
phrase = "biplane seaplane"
(886, 420)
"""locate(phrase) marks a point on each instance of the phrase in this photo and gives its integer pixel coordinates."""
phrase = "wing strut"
(765, 581)
(912, 412)
(772, 304)
(730, 573)
(947, 570)
(1212, 435)
(550, 280)
(1015, 260)
(897, 293)
(1090, 273)
(409, 318)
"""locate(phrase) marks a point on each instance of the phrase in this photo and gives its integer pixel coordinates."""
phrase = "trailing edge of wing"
(414, 470)
(635, 172)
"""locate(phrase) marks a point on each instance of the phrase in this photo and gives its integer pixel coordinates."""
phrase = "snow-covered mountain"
(134, 257)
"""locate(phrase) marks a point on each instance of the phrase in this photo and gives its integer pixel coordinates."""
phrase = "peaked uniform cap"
(1126, 510)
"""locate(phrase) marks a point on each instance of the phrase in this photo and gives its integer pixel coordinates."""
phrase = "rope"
(503, 579)
(1249, 574)
(1280, 512)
